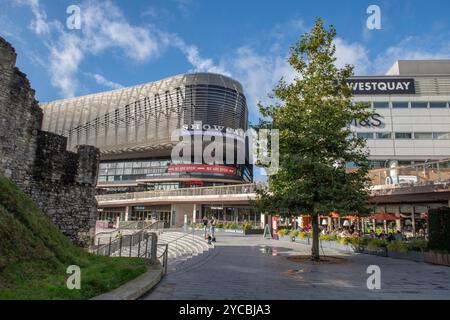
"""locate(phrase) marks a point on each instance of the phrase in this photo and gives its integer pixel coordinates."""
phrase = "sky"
(125, 43)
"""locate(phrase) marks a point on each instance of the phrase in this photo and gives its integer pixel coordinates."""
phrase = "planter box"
(336, 245)
(410, 255)
(437, 258)
(254, 231)
(376, 252)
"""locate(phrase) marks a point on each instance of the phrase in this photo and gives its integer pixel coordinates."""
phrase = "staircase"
(185, 249)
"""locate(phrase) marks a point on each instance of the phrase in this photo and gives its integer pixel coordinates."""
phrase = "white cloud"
(192, 54)
(101, 80)
(65, 57)
(411, 48)
(103, 27)
(352, 53)
(39, 24)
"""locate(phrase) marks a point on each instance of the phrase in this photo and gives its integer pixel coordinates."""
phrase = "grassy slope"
(34, 255)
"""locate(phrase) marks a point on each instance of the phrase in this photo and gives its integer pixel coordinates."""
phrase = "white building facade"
(411, 123)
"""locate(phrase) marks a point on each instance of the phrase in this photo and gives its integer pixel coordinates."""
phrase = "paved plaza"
(251, 267)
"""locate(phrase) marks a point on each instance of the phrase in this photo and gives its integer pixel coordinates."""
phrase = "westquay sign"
(382, 86)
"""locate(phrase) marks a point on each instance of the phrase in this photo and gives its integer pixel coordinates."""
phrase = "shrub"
(283, 232)
(328, 237)
(398, 246)
(374, 244)
(439, 228)
(417, 245)
(304, 235)
(219, 225)
(231, 225)
(246, 226)
(293, 234)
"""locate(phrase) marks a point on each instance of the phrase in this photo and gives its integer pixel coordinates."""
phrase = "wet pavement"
(255, 268)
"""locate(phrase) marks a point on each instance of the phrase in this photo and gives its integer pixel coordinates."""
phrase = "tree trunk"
(315, 238)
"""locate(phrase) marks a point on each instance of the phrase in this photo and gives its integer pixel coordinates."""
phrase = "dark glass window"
(441, 135)
(381, 105)
(365, 135)
(423, 135)
(419, 105)
(384, 135)
(403, 135)
(400, 105)
(436, 105)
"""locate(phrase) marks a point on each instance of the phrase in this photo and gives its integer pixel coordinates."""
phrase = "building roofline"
(238, 85)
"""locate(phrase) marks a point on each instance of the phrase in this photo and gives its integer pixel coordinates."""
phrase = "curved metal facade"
(143, 117)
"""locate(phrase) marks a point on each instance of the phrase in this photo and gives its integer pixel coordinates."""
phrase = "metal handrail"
(164, 255)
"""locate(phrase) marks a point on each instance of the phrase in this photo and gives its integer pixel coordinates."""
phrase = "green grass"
(34, 255)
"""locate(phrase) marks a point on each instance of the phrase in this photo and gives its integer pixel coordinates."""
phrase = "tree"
(313, 116)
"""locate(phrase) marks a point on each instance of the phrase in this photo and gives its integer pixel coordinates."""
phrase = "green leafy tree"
(313, 116)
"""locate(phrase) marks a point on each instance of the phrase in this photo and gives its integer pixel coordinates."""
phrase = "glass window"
(423, 135)
(365, 135)
(403, 135)
(137, 164)
(419, 105)
(128, 164)
(381, 105)
(400, 105)
(120, 164)
(441, 135)
(438, 105)
(384, 135)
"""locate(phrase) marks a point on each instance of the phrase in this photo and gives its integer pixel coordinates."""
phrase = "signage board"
(407, 179)
(201, 168)
(382, 86)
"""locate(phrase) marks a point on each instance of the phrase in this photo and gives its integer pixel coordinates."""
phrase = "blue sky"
(123, 43)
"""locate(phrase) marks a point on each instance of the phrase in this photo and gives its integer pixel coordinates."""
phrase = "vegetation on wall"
(439, 229)
(34, 255)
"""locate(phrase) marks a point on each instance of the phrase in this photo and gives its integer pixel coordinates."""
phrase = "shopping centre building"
(133, 128)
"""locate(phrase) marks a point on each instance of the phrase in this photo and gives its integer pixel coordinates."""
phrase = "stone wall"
(62, 183)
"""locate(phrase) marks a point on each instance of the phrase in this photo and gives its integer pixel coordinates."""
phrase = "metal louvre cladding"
(143, 117)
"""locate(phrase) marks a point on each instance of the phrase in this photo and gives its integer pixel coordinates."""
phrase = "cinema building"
(133, 128)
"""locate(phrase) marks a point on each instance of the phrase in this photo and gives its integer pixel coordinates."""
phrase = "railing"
(153, 226)
(163, 258)
(424, 174)
(202, 191)
(144, 240)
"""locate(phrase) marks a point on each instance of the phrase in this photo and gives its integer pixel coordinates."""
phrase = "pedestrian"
(205, 224)
(212, 228)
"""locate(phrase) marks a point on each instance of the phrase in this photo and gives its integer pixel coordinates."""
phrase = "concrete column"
(263, 220)
(413, 221)
(194, 212)
(398, 221)
(127, 212)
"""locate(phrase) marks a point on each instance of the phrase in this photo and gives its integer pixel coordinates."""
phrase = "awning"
(383, 216)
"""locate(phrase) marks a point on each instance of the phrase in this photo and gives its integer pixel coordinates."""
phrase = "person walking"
(205, 225)
(212, 228)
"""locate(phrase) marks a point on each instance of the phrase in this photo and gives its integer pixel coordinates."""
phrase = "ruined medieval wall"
(61, 183)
